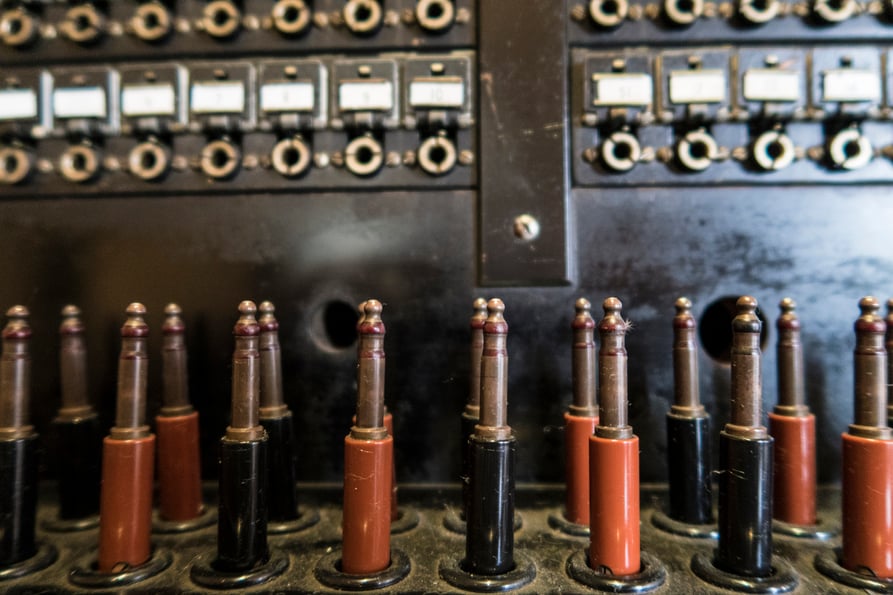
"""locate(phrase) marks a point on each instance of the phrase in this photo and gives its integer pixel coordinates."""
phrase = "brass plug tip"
(788, 320)
(371, 323)
(361, 310)
(71, 311)
(173, 324)
(869, 320)
(613, 320)
(267, 320)
(135, 325)
(583, 320)
(683, 306)
(495, 323)
(684, 318)
(17, 326)
(247, 325)
(747, 320)
(479, 313)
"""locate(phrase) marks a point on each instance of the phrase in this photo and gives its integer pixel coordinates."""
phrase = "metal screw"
(526, 227)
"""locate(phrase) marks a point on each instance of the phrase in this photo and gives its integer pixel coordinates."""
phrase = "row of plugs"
(154, 21)
(610, 14)
(292, 156)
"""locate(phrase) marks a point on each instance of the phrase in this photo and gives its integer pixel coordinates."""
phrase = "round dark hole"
(150, 20)
(10, 164)
(435, 11)
(774, 150)
(291, 156)
(82, 23)
(220, 17)
(437, 155)
(610, 7)
(364, 155)
(340, 324)
(760, 5)
(14, 25)
(835, 4)
(622, 150)
(219, 158)
(291, 14)
(698, 149)
(363, 13)
(79, 162)
(852, 149)
(715, 329)
(148, 160)
(685, 5)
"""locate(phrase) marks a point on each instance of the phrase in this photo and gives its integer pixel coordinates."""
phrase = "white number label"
(697, 86)
(287, 97)
(18, 104)
(770, 84)
(851, 85)
(148, 100)
(622, 89)
(377, 96)
(218, 98)
(437, 94)
(79, 102)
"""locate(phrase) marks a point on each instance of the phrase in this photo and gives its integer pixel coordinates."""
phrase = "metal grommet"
(834, 11)
(850, 149)
(204, 573)
(363, 17)
(828, 564)
(608, 13)
(524, 572)
(651, 575)
(86, 575)
(220, 159)
(291, 17)
(435, 15)
(307, 517)
(363, 156)
(151, 22)
(407, 520)
(161, 526)
(773, 150)
(83, 23)
(683, 12)
(17, 28)
(79, 163)
(559, 522)
(621, 151)
(149, 161)
(823, 530)
(46, 555)
(696, 150)
(15, 165)
(291, 157)
(328, 572)
(437, 155)
(663, 522)
(221, 19)
(758, 11)
(781, 580)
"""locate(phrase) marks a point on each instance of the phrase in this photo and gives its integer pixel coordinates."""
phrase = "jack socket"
(683, 12)
(149, 161)
(773, 150)
(291, 17)
(151, 22)
(220, 159)
(758, 12)
(850, 149)
(608, 13)
(834, 11)
(79, 163)
(18, 28)
(15, 165)
(696, 150)
(83, 24)
(435, 16)
(363, 17)
(291, 157)
(620, 152)
(363, 156)
(221, 19)
(437, 155)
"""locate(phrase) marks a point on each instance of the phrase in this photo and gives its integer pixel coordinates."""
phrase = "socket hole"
(715, 329)
(685, 5)
(79, 162)
(365, 155)
(610, 7)
(852, 149)
(435, 11)
(10, 164)
(775, 150)
(148, 160)
(14, 25)
(622, 151)
(363, 13)
(437, 155)
(336, 325)
(699, 150)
